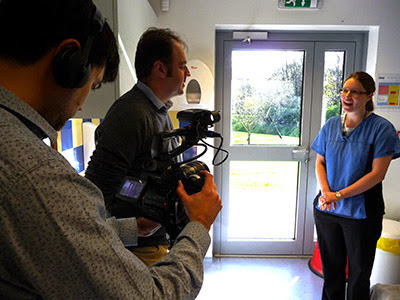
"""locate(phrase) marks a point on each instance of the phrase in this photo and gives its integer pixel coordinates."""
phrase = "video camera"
(154, 195)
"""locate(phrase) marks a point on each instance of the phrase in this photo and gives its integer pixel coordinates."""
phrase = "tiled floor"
(260, 278)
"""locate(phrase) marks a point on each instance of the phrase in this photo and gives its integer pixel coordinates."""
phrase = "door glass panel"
(263, 197)
(333, 82)
(266, 91)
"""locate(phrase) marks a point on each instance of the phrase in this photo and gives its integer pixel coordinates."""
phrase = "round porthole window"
(193, 92)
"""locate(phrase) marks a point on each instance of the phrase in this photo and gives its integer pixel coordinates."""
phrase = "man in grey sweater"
(124, 138)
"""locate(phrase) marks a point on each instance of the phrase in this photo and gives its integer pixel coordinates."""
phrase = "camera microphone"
(212, 134)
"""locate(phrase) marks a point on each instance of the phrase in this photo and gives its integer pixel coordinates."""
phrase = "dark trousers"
(341, 238)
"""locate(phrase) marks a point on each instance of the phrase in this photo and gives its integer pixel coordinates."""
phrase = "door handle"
(301, 155)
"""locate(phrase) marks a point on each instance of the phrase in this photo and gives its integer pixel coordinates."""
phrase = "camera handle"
(190, 137)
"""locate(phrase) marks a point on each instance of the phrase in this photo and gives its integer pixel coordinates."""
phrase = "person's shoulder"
(334, 119)
(133, 93)
(23, 152)
(332, 122)
(133, 106)
(133, 101)
(378, 120)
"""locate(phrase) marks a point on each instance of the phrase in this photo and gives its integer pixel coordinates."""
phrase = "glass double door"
(275, 96)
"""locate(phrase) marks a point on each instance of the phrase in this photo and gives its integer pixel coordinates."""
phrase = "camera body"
(154, 194)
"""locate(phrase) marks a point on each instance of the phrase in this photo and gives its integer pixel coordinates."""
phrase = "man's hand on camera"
(146, 227)
(204, 206)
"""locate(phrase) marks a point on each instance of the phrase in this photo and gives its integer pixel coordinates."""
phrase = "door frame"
(327, 40)
(270, 153)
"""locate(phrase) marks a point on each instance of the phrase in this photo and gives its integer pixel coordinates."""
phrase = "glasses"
(353, 93)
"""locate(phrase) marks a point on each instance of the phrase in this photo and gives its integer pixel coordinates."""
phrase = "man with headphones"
(55, 241)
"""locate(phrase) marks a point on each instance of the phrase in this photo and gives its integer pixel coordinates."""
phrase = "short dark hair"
(368, 84)
(29, 29)
(155, 44)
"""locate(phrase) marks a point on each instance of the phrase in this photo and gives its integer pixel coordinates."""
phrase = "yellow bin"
(386, 267)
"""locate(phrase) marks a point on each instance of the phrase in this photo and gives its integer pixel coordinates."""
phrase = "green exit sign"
(299, 3)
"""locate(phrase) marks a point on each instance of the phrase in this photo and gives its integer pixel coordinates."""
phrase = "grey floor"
(260, 278)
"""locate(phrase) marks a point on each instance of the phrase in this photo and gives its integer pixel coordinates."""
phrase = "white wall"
(196, 22)
(128, 19)
(98, 102)
(134, 17)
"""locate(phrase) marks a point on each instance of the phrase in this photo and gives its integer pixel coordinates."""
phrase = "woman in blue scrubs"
(354, 151)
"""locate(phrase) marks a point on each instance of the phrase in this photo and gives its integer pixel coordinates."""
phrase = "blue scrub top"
(350, 158)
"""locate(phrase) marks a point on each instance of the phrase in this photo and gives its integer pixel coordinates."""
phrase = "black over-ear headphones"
(70, 67)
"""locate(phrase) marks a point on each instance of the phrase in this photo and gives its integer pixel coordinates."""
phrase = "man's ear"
(69, 68)
(67, 43)
(160, 69)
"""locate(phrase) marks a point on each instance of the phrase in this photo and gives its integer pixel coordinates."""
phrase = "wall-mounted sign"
(388, 90)
(300, 4)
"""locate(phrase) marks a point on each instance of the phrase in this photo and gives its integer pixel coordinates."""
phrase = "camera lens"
(215, 116)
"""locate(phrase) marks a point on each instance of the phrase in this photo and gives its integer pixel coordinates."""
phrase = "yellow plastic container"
(386, 267)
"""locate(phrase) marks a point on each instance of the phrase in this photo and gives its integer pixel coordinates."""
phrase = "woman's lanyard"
(346, 130)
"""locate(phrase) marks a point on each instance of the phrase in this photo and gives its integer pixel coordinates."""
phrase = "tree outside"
(271, 105)
(333, 81)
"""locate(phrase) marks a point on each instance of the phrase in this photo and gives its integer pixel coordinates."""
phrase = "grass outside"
(262, 139)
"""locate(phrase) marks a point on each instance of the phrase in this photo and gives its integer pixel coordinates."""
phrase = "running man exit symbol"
(300, 3)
